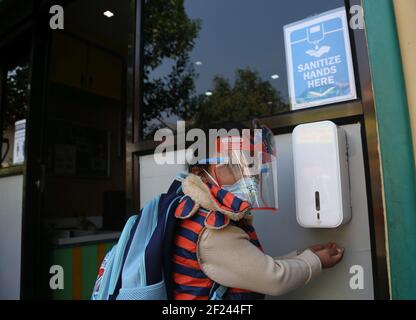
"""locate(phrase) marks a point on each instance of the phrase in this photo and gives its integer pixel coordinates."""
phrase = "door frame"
(32, 252)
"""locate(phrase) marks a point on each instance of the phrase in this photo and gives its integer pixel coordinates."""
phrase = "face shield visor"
(246, 166)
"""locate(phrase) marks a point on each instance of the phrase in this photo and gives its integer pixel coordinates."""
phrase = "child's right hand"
(330, 255)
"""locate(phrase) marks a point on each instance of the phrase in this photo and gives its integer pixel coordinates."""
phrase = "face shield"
(246, 166)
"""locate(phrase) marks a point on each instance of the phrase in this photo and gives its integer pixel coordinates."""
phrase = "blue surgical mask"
(246, 189)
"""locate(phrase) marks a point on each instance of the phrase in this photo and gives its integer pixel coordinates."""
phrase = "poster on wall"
(79, 151)
(19, 142)
(319, 62)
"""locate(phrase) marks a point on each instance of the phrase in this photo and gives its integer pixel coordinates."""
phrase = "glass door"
(14, 104)
(83, 182)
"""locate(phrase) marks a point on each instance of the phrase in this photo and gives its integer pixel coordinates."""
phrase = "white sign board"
(319, 63)
(19, 142)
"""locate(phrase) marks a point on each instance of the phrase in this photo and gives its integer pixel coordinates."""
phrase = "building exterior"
(79, 108)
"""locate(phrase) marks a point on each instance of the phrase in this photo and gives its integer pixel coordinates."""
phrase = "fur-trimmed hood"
(213, 198)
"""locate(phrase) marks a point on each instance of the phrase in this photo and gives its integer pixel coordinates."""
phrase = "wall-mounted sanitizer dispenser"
(321, 175)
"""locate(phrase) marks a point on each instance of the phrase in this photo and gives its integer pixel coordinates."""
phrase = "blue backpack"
(138, 267)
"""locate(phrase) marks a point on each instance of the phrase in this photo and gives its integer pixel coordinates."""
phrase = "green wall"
(80, 266)
(395, 145)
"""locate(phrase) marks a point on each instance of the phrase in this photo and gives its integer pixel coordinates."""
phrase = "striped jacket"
(189, 281)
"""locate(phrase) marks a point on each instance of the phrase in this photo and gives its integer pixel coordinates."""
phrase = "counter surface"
(87, 239)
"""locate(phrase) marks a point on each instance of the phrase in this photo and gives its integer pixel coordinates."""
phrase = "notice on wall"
(319, 62)
(19, 142)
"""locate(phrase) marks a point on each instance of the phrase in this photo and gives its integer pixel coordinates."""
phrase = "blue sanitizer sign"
(319, 63)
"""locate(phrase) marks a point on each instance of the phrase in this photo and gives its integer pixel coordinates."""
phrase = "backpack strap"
(133, 239)
(169, 204)
(121, 250)
(115, 288)
(217, 292)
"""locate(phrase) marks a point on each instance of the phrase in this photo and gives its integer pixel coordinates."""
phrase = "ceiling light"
(108, 14)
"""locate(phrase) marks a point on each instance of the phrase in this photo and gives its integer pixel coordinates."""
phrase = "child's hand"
(321, 246)
(330, 254)
(317, 247)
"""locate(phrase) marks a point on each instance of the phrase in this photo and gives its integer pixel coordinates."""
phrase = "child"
(216, 250)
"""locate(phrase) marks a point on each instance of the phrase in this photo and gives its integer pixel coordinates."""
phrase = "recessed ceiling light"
(198, 63)
(208, 93)
(275, 76)
(108, 14)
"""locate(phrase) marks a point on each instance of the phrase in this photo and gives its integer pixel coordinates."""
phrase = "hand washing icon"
(320, 52)
(315, 35)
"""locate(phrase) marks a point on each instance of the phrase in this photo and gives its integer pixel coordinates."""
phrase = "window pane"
(212, 61)
(12, 12)
(87, 98)
(14, 113)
